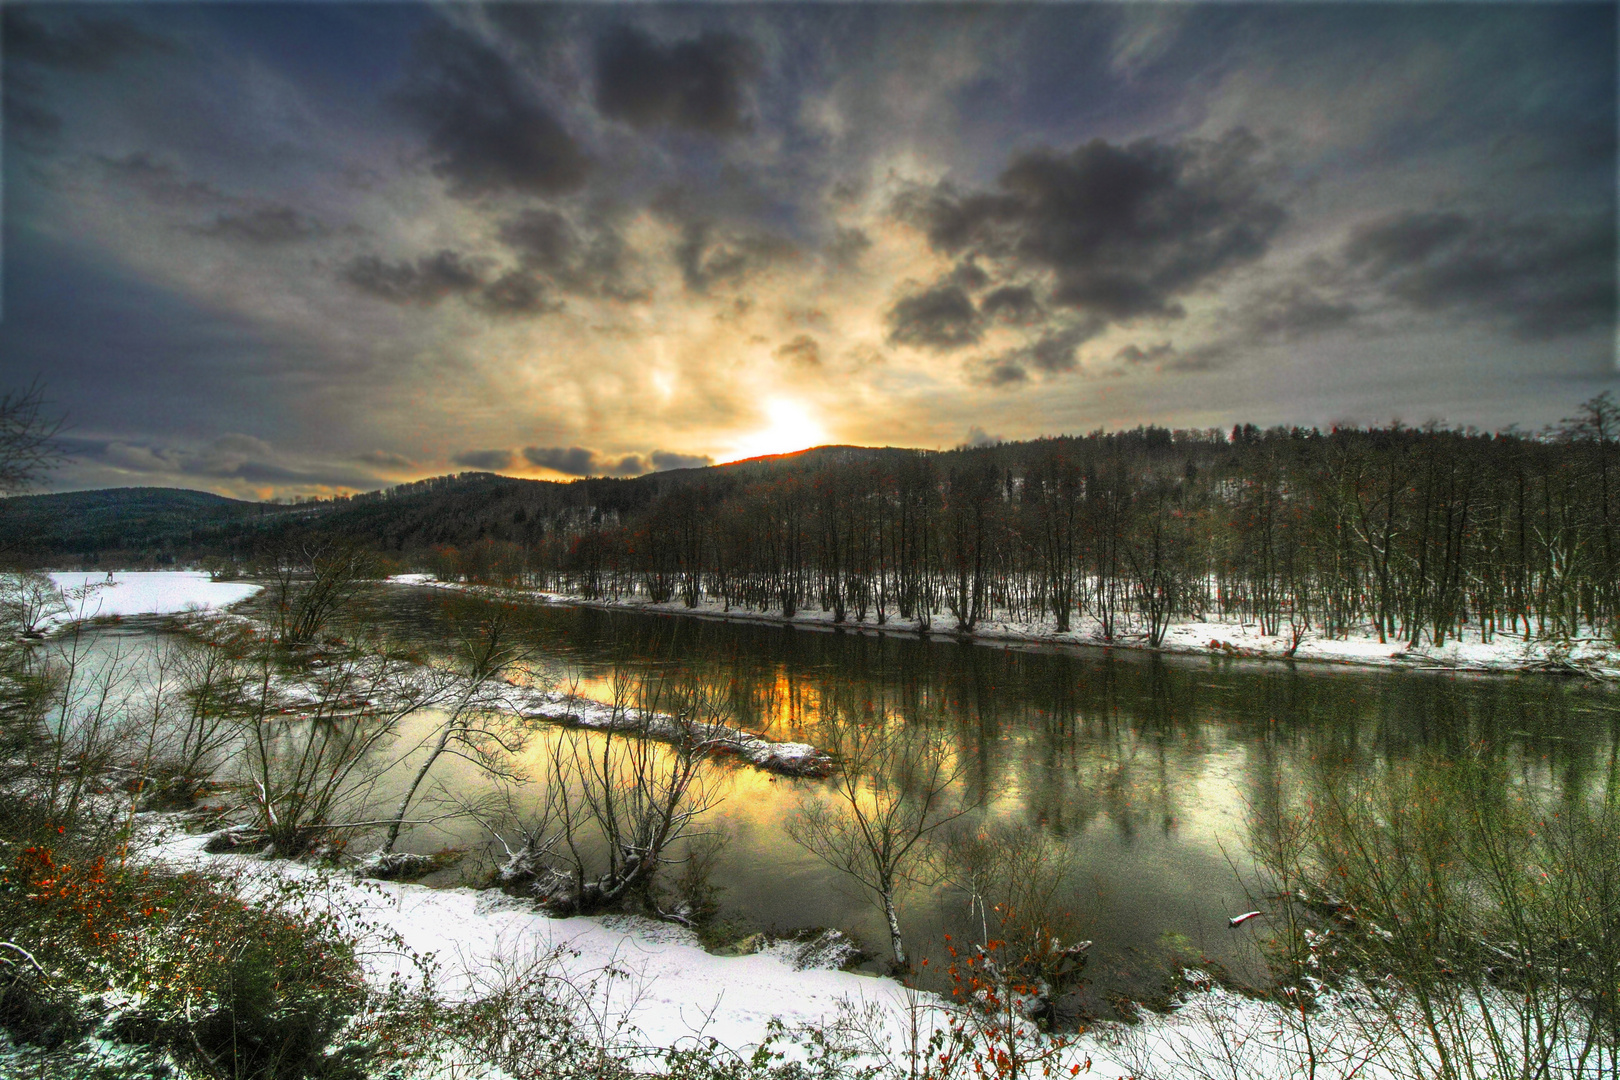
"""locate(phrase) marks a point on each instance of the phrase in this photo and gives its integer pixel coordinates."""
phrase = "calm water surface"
(1145, 767)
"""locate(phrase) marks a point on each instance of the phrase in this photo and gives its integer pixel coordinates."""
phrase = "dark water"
(1144, 767)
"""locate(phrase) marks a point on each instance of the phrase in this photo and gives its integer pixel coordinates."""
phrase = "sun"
(791, 428)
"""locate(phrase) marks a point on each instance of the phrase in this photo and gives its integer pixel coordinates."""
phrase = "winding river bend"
(1145, 767)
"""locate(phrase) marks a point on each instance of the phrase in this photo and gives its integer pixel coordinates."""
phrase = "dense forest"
(1414, 534)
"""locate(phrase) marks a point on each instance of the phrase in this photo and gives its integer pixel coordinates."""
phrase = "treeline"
(1411, 534)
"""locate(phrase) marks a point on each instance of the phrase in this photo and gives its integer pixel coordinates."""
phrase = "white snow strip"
(127, 593)
(792, 758)
(1591, 656)
(654, 983)
(667, 987)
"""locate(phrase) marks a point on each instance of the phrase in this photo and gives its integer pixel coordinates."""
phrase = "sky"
(273, 250)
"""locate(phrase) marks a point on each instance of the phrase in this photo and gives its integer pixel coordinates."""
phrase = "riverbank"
(1587, 657)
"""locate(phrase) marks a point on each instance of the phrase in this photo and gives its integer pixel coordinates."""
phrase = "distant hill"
(118, 518)
(164, 524)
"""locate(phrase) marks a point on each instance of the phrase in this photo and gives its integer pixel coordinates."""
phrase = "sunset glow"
(791, 428)
(393, 241)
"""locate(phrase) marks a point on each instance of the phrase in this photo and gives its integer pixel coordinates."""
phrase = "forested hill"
(161, 525)
(1410, 531)
(119, 518)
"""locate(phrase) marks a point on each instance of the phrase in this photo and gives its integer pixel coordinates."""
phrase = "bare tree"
(309, 584)
(309, 754)
(27, 438)
(618, 801)
(475, 727)
(890, 791)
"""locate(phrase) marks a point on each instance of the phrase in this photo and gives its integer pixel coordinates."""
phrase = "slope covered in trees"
(1410, 534)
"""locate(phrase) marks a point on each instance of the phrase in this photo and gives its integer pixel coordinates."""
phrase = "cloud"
(1294, 312)
(83, 44)
(942, 318)
(1016, 304)
(1121, 231)
(588, 262)
(847, 246)
(516, 293)
(544, 239)
(269, 226)
(486, 126)
(692, 85)
(976, 436)
(1541, 276)
(1004, 371)
(568, 460)
(162, 182)
(803, 350)
(1055, 352)
(421, 283)
(485, 460)
(1165, 357)
(664, 460)
(580, 461)
(385, 459)
(230, 461)
(707, 257)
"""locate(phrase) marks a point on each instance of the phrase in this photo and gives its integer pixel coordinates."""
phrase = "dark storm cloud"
(1153, 354)
(485, 460)
(161, 182)
(516, 294)
(847, 246)
(942, 318)
(1004, 372)
(568, 460)
(664, 460)
(421, 283)
(385, 459)
(487, 128)
(82, 44)
(694, 85)
(1293, 313)
(1056, 352)
(1542, 277)
(803, 350)
(581, 461)
(268, 225)
(1015, 304)
(707, 256)
(230, 457)
(1123, 230)
(1165, 357)
(589, 261)
(544, 238)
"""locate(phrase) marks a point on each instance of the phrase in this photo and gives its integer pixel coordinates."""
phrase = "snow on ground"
(651, 984)
(789, 758)
(668, 988)
(1504, 653)
(162, 592)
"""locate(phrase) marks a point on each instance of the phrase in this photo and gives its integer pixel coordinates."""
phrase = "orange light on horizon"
(791, 428)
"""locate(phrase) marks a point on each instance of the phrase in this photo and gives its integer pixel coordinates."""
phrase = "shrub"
(240, 989)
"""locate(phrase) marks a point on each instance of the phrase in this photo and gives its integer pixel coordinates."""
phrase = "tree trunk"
(895, 940)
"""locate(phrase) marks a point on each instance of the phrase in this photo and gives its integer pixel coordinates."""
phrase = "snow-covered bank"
(788, 758)
(124, 594)
(653, 977)
(648, 984)
(1505, 653)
